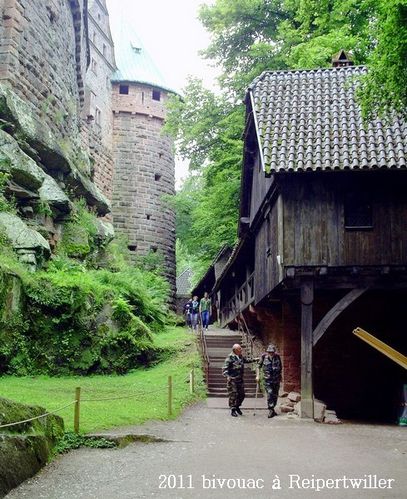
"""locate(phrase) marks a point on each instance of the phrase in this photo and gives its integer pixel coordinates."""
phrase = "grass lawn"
(147, 386)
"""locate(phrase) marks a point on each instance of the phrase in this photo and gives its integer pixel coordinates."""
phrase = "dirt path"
(249, 451)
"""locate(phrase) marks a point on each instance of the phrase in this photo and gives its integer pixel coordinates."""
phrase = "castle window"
(94, 37)
(358, 211)
(104, 50)
(157, 177)
(98, 116)
(148, 217)
(154, 248)
(132, 247)
(156, 95)
(94, 66)
(124, 89)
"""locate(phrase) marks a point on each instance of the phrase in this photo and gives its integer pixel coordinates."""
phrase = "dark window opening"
(358, 212)
(157, 176)
(156, 95)
(124, 89)
(154, 249)
(132, 247)
(142, 97)
(148, 217)
(160, 155)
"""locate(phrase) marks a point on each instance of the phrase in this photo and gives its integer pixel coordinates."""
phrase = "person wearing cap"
(233, 371)
(270, 363)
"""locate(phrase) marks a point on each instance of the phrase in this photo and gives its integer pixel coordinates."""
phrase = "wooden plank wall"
(314, 231)
(266, 270)
(260, 187)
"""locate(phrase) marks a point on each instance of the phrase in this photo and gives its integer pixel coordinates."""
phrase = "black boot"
(233, 413)
(271, 413)
(239, 411)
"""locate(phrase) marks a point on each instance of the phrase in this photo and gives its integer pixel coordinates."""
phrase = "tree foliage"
(248, 37)
(384, 89)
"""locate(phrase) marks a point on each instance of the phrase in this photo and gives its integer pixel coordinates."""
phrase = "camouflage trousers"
(272, 390)
(236, 393)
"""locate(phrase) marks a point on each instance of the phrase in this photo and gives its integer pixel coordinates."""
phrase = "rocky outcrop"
(29, 244)
(25, 448)
(27, 139)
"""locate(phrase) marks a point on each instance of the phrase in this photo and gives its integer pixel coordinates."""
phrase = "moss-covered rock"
(59, 155)
(29, 244)
(25, 448)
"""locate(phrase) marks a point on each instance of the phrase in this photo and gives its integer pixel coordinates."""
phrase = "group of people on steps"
(198, 312)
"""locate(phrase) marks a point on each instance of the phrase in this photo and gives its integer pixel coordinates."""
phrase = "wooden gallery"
(322, 245)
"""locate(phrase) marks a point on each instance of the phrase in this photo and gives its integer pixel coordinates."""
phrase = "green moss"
(79, 233)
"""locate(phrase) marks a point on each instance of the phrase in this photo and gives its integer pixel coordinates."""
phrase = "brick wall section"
(144, 173)
(97, 112)
(42, 55)
(101, 159)
(280, 324)
(98, 94)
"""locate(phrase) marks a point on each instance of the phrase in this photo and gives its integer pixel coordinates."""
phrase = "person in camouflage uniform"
(233, 371)
(272, 367)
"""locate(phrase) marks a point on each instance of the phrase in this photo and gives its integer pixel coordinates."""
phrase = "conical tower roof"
(134, 63)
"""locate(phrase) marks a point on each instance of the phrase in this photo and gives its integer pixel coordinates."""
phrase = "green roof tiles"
(133, 62)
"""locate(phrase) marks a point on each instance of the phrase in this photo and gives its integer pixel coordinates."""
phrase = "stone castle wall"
(49, 93)
(144, 175)
(43, 57)
(97, 112)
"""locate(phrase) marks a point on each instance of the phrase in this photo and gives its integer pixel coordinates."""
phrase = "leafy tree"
(248, 37)
(384, 89)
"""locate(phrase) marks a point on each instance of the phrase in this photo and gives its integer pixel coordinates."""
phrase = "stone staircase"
(219, 344)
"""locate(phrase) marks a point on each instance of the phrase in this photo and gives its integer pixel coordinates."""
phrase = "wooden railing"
(242, 299)
(204, 351)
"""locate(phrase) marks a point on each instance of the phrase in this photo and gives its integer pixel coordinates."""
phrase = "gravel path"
(207, 444)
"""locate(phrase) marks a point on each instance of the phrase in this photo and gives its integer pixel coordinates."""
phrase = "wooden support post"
(192, 381)
(169, 395)
(307, 398)
(77, 409)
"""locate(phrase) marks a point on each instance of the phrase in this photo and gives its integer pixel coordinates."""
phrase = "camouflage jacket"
(234, 365)
(272, 368)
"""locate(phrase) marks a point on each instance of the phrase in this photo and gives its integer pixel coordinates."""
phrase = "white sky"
(172, 34)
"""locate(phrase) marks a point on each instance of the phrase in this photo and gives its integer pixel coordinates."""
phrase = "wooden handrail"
(204, 351)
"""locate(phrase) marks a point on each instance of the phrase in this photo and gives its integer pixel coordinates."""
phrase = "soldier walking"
(233, 371)
(272, 367)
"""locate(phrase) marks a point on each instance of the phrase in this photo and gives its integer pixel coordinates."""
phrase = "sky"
(172, 34)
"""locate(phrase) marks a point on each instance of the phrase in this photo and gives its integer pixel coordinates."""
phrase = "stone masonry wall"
(144, 174)
(280, 324)
(101, 159)
(43, 57)
(97, 112)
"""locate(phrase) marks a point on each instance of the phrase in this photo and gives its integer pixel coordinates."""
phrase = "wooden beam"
(329, 318)
(307, 396)
(382, 347)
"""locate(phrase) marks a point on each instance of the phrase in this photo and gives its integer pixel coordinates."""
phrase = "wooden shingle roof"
(309, 120)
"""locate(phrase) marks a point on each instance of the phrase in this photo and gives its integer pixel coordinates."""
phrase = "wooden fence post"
(192, 381)
(77, 409)
(169, 395)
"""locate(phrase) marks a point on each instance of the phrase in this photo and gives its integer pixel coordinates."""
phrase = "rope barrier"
(79, 400)
(165, 388)
(38, 417)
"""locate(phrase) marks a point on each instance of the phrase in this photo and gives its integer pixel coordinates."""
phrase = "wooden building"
(322, 238)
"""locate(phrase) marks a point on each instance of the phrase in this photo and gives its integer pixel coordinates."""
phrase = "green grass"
(149, 384)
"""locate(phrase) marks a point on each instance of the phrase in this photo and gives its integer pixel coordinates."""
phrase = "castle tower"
(144, 163)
